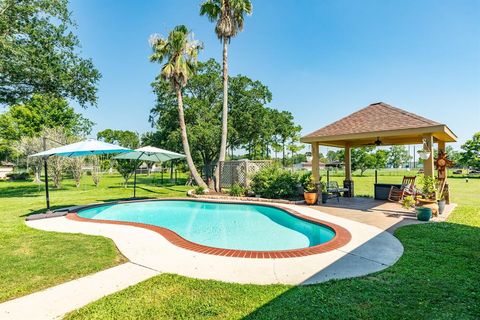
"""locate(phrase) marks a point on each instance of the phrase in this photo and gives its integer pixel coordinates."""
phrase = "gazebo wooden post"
(428, 167)
(315, 162)
(348, 182)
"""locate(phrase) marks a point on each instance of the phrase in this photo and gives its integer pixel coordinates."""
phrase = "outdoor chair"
(407, 189)
(334, 190)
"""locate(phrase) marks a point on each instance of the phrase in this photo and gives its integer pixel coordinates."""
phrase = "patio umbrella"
(148, 153)
(78, 149)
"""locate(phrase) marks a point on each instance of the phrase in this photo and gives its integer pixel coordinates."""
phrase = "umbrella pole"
(45, 166)
(135, 175)
(47, 195)
(135, 181)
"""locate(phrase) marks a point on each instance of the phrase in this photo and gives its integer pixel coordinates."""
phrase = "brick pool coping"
(341, 238)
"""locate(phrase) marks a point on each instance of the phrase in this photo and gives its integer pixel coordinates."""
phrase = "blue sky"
(321, 59)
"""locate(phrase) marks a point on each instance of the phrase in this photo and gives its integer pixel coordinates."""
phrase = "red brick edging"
(342, 235)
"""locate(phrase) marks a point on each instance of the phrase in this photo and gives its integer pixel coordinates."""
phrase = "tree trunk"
(38, 172)
(223, 143)
(186, 146)
(283, 153)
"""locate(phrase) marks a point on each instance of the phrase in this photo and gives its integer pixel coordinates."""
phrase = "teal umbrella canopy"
(149, 153)
(83, 148)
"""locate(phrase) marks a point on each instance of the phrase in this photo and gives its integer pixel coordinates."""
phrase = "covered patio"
(380, 124)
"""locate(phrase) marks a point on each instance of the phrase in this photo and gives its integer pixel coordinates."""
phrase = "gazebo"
(379, 124)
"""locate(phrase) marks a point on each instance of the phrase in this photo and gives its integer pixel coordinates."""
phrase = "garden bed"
(223, 196)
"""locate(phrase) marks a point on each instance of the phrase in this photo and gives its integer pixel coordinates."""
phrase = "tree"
(96, 173)
(362, 159)
(294, 149)
(470, 155)
(27, 146)
(40, 112)
(39, 53)
(202, 105)
(380, 159)
(285, 130)
(453, 155)
(30, 145)
(251, 124)
(333, 156)
(179, 52)
(250, 121)
(229, 16)
(398, 155)
(124, 138)
(76, 166)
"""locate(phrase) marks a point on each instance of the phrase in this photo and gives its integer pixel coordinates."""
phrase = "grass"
(438, 277)
(31, 260)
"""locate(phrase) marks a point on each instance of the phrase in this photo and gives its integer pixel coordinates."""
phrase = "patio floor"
(385, 215)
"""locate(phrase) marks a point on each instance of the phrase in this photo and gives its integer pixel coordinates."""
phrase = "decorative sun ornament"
(441, 162)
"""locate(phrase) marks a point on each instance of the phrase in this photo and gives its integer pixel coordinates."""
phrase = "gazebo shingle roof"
(376, 117)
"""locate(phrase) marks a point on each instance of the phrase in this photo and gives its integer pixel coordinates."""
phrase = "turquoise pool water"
(220, 225)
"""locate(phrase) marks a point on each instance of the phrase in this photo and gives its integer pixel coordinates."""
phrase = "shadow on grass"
(440, 264)
(53, 208)
(125, 199)
(21, 190)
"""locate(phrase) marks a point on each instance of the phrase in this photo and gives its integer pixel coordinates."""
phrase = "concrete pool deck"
(370, 249)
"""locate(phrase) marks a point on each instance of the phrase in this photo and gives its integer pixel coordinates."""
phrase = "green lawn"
(438, 277)
(31, 260)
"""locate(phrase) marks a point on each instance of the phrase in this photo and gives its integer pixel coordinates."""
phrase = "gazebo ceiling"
(379, 121)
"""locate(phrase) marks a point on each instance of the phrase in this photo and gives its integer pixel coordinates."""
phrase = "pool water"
(220, 225)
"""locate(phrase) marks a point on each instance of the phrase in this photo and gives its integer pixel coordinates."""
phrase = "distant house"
(6, 168)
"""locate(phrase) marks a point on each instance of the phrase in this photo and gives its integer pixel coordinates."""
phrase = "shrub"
(237, 190)
(18, 176)
(199, 190)
(308, 183)
(275, 183)
(408, 202)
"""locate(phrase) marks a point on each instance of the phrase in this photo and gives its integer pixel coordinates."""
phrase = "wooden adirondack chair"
(407, 189)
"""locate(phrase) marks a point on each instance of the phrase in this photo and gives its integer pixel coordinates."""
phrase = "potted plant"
(428, 187)
(310, 190)
(423, 213)
(428, 195)
(324, 193)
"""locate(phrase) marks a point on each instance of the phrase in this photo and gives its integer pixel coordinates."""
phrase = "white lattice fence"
(240, 171)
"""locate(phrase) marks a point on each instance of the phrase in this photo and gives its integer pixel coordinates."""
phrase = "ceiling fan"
(377, 143)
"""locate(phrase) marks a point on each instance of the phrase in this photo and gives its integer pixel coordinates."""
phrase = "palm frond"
(179, 51)
(229, 16)
(211, 9)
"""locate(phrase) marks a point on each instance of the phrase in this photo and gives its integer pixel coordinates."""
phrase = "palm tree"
(179, 51)
(229, 16)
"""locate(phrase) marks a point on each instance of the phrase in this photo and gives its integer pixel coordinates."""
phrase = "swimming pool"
(233, 226)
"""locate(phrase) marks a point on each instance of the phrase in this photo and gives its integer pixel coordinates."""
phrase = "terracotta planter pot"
(310, 197)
